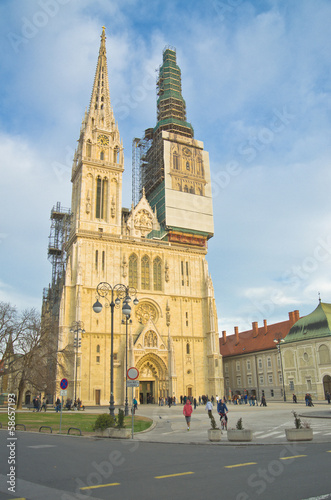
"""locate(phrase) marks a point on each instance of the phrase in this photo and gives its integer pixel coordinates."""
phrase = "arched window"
(192, 190)
(88, 149)
(175, 161)
(102, 155)
(187, 348)
(133, 270)
(157, 274)
(101, 198)
(185, 189)
(145, 281)
(98, 348)
(324, 354)
(116, 154)
(187, 165)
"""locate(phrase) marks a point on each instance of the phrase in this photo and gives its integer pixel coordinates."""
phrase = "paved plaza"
(268, 423)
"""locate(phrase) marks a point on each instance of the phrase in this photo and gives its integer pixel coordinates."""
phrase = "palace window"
(269, 362)
(324, 354)
(261, 378)
(103, 260)
(259, 362)
(145, 281)
(96, 259)
(157, 274)
(187, 274)
(133, 270)
(187, 348)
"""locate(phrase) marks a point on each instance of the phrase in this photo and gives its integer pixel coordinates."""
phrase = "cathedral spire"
(100, 109)
(171, 107)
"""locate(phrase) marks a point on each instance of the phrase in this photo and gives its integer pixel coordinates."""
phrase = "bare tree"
(29, 351)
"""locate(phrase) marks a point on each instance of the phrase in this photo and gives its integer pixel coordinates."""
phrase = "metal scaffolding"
(59, 234)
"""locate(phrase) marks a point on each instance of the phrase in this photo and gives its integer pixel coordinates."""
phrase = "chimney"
(236, 333)
(255, 329)
(224, 336)
(265, 328)
(292, 319)
(296, 315)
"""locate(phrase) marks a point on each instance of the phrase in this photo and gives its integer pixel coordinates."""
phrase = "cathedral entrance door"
(146, 392)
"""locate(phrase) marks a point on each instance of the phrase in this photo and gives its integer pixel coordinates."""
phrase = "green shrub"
(104, 421)
(212, 421)
(239, 425)
(120, 419)
(297, 421)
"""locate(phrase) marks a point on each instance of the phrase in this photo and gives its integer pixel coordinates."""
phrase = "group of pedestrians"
(222, 410)
(39, 405)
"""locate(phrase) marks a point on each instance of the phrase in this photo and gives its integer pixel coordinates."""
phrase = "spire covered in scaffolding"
(171, 107)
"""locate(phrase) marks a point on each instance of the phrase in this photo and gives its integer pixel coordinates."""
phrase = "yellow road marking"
(239, 465)
(99, 486)
(295, 456)
(173, 475)
(328, 451)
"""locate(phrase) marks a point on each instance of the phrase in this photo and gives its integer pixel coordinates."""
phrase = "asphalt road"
(50, 467)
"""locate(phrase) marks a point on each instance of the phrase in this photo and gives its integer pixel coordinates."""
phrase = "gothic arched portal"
(153, 378)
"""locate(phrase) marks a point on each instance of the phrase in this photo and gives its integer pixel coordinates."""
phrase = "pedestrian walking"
(209, 407)
(187, 412)
(43, 406)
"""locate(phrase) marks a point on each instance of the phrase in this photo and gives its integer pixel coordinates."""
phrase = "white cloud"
(239, 69)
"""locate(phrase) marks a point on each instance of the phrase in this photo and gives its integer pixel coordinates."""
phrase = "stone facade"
(172, 335)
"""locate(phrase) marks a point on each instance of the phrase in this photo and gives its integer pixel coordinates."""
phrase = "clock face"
(103, 140)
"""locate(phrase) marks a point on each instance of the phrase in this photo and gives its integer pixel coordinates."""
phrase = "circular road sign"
(132, 373)
(64, 383)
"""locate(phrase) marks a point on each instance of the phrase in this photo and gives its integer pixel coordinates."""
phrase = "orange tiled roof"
(258, 339)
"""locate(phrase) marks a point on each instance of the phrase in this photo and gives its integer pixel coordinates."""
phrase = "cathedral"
(157, 248)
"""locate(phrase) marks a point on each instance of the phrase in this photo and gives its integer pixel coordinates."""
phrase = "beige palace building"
(158, 246)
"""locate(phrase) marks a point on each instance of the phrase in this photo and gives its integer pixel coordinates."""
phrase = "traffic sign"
(132, 373)
(132, 383)
(64, 383)
(64, 393)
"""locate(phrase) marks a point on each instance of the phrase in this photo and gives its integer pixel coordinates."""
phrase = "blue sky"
(256, 80)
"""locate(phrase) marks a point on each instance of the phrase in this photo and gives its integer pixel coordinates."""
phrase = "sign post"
(63, 392)
(132, 375)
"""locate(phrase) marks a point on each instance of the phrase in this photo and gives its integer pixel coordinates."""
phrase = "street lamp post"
(117, 293)
(125, 322)
(278, 342)
(76, 328)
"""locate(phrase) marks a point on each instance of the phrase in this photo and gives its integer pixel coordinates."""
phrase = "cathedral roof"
(315, 325)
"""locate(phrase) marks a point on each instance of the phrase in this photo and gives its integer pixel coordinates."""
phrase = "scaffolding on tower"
(59, 234)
